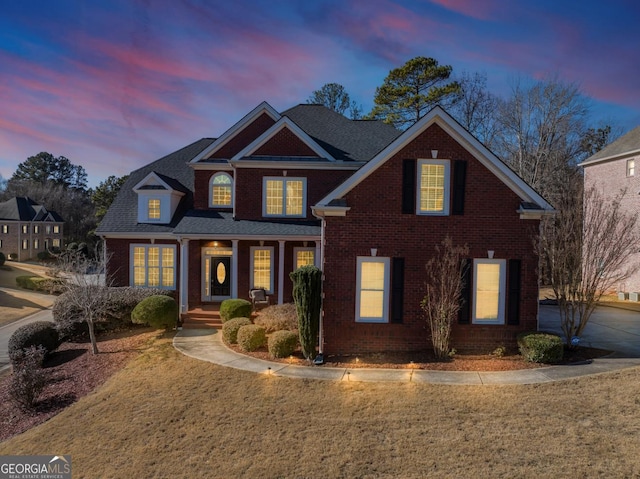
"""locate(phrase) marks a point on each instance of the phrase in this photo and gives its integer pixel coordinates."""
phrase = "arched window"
(220, 191)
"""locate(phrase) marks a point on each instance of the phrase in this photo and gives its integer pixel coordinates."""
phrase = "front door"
(220, 276)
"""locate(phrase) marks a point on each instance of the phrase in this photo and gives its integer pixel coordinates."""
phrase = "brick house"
(27, 228)
(613, 170)
(361, 200)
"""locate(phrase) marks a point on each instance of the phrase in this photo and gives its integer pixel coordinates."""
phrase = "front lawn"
(166, 415)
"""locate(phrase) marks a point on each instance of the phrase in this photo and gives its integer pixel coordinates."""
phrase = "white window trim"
(303, 248)
(25, 244)
(387, 288)
(447, 187)
(502, 294)
(631, 161)
(284, 180)
(271, 257)
(148, 200)
(146, 247)
(211, 205)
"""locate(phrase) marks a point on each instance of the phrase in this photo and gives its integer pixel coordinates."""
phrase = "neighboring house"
(27, 228)
(359, 199)
(615, 170)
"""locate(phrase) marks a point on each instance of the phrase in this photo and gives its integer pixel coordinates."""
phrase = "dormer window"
(221, 191)
(153, 209)
(284, 197)
(158, 198)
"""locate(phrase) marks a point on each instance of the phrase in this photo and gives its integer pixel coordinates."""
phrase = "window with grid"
(284, 197)
(153, 209)
(25, 244)
(372, 295)
(221, 190)
(631, 167)
(262, 268)
(433, 187)
(5, 229)
(489, 291)
(304, 257)
(56, 229)
(36, 229)
(25, 229)
(154, 266)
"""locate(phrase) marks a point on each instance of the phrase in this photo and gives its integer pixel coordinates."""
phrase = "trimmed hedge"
(38, 283)
(157, 311)
(282, 344)
(251, 337)
(40, 333)
(538, 347)
(234, 308)
(278, 317)
(231, 327)
(117, 312)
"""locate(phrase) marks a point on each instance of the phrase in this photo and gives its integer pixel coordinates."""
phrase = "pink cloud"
(471, 8)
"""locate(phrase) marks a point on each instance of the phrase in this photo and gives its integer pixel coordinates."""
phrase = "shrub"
(13, 256)
(231, 327)
(28, 378)
(251, 337)
(116, 313)
(234, 308)
(282, 343)
(307, 294)
(40, 333)
(278, 317)
(3, 258)
(157, 311)
(540, 347)
(43, 255)
(38, 283)
(26, 282)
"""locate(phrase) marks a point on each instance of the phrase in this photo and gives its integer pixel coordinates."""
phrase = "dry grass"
(166, 415)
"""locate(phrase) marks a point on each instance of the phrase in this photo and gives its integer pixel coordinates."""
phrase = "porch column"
(184, 275)
(317, 255)
(281, 272)
(234, 269)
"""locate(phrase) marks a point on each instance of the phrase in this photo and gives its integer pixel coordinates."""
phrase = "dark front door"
(221, 276)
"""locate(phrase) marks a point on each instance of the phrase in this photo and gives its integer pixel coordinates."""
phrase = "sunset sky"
(113, 85)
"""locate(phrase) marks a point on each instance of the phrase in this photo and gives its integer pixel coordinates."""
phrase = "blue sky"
(113, 85)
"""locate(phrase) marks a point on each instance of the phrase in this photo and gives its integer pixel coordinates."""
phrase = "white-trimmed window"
(25, 244)
(284, 197)
(303, 257)
(153, 266)
(56, 229)
(489, 280)
(25, 229)
(48, 229)
(5, 229)
(153, 210)
(433, 187)
(262, 267)
(221, 191)
(36, 229)
(36, 243)
(372, 290)
(631, 167)
(55, 243)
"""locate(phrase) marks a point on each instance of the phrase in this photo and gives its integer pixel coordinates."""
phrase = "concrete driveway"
(608, 328)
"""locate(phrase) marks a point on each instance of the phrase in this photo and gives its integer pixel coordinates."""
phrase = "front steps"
(202, 317)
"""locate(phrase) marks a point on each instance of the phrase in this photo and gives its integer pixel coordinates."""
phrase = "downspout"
(320, 357)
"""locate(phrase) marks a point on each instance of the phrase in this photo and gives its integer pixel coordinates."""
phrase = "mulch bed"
(426, 360)
(73, 372)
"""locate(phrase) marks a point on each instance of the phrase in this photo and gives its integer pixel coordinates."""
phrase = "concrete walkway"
(609, 328)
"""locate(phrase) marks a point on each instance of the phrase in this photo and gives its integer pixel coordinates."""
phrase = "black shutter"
(459, 179)
(465, 308)
(513, 292)
(397, 289)
(408, 186)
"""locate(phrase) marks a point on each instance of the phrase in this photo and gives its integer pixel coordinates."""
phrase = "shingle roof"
(625, 144)
(344, 139)
(22, 208)
(206, 222)
(122, 216)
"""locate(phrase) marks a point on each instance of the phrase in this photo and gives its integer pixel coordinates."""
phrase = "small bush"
(38, 283)
(157, 311)
(116, 314)
(26, 282)
(28, 378)
(234, 308)
(282, 344)
(40, 333)
(278, 317)
(231, 327)
(43, 255)
(540, 347)
(251, 337)
(3, 258)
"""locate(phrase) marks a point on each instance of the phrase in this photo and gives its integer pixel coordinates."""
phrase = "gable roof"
(173, 170)
(262, 108)
(23, 208)
(626, 145)
(342, 138)
(439, 116)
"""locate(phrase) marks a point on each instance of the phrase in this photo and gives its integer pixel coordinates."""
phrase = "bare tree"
(586, 249)
(85, 287)
(443, 296)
